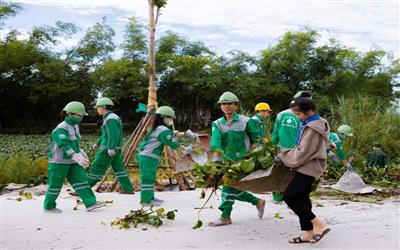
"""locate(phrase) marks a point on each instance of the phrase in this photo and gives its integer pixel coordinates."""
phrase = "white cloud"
(64, 44)
(215, 36)
(359, 24)
(22, 33)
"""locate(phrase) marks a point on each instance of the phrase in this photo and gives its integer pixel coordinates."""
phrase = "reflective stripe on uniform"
(150, 154)
(94, 176)
(56, 152)
(234, 195)
(153, 143)
(82, 187)
(237, 126)
(111, 116)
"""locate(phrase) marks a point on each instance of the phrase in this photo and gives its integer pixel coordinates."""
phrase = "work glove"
(81, 160)
(188, 150)
(216, 158)
(84, 154)
(189, 133)
(349, 167)
(111, 152)
(277, 161)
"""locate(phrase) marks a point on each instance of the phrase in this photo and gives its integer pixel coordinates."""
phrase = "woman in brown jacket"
(308, 159)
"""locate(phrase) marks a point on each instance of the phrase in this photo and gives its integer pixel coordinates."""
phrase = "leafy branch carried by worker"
(228, 172)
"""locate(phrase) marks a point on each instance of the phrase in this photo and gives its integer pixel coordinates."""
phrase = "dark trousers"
(297, 197)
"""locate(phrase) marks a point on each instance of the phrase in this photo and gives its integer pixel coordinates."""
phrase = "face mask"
(168, 121)
(74, 120)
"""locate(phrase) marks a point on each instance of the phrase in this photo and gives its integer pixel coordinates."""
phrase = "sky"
(225, 25)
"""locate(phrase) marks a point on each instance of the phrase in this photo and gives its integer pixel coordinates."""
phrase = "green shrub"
(371, 121)
(21, 169)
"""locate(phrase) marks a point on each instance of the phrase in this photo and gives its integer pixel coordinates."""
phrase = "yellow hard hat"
(262, 106)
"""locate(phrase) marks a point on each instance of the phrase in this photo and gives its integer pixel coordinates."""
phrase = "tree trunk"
(151, 61)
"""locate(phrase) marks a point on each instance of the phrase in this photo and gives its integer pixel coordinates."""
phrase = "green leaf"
(28, 195)
(126, 225)
(171, 215)
(247, 165)
(157, 222)
(160, 211)
(199, 224)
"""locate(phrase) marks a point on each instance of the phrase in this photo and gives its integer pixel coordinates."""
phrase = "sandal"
(219, 222)
(318, 237)
(298, 240)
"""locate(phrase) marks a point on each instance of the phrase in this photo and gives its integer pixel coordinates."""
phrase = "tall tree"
(135, 43)
(154, 13)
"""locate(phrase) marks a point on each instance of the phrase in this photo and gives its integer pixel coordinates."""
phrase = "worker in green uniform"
(284, 134)
(151, 149)
(109, 147)
(263, 111)
(344, 133)
(232, 135)
(68, 160)
(377, 157)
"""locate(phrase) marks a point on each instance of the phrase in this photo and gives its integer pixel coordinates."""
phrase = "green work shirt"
(377, 158)
(64, 141)
(286, 127)
(338, 140)
(153, 145)
(234, 139)
(111, 132)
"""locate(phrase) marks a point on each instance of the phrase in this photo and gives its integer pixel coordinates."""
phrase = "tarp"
(351, 182)
(273, 179)
(185, 163)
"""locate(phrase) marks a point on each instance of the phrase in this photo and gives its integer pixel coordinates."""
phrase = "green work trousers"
(76, 175)
(148, 173)
(101, 164)
(228, 197)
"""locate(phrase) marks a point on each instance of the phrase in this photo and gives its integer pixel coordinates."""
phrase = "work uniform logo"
(289, 122)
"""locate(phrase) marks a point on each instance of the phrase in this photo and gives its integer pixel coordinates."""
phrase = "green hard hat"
(75, 107)
(228, 97)
(306, 94)
(104, 101)
(376, 144)
(166, 111)
(345, 129)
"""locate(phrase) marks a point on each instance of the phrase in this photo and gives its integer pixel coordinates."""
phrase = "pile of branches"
(143, 216)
